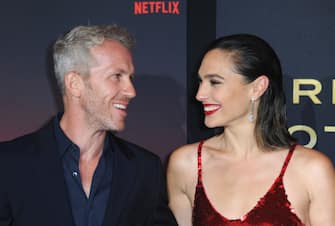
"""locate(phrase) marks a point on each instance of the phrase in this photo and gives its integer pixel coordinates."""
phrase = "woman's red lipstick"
(211, 108)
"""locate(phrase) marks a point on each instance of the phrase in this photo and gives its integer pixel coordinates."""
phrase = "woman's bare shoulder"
(184, 156)
(312, 163)
(311, 157)
(182, 168)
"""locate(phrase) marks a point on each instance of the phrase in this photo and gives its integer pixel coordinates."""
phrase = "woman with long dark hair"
(253, 173)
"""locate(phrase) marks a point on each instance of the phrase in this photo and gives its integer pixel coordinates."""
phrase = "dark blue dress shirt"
(86, 211)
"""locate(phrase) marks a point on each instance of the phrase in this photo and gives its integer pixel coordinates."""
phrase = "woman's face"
(225, 95)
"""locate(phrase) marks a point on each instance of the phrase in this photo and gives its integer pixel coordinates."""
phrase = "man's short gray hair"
(72, 51)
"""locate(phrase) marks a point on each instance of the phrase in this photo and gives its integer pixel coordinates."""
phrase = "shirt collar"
(63, 142)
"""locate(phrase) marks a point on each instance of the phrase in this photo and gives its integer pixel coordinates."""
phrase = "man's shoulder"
(133, 149)
(16, 152)
(18, 142)
(23, 142)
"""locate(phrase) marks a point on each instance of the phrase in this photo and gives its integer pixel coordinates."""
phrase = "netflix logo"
(156, 7)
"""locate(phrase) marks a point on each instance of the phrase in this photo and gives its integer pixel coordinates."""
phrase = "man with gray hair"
(74, 171)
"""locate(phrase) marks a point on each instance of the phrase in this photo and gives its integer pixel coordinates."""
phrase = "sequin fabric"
(273, 209)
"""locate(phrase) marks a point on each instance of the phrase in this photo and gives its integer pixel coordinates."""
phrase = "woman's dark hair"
(253, 57)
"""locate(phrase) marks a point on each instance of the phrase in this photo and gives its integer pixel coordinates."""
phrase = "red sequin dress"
(273, 209)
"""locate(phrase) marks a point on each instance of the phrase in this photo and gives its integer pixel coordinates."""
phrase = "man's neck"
(89, 140)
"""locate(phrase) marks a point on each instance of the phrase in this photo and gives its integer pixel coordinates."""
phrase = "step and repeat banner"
(302, 32)
(29, 98)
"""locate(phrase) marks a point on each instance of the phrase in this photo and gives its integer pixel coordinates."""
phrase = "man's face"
(108, 88)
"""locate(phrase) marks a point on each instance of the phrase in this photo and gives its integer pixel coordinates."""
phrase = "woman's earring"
(251, 115)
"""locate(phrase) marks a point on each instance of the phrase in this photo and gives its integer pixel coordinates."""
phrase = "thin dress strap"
(199, 164)
(287, 160)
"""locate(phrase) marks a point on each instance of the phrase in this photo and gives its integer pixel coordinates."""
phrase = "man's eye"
(117, 76)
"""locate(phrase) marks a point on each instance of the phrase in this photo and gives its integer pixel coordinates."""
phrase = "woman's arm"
(320, 176)
(179, 176)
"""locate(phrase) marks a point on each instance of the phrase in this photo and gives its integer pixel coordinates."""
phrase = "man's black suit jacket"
(33, 190)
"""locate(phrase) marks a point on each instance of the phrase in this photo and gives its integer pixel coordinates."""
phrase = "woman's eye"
(214, 82)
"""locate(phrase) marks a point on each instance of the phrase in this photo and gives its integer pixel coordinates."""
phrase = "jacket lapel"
(50, 179)
(123, 179)
(51, 185)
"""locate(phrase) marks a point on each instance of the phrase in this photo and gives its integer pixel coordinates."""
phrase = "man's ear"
(260, 85)
(73, 84)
